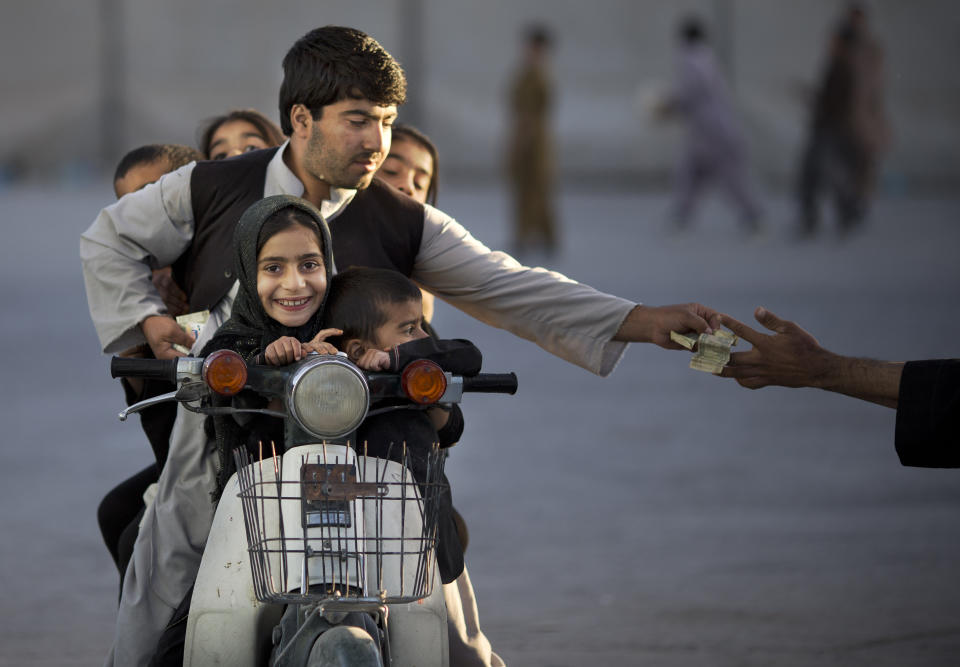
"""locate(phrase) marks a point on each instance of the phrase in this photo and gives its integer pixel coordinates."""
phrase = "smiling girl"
(282, 254)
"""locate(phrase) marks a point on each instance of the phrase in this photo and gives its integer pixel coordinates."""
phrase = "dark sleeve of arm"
(451, 432)
(928, 414)
(454, 355)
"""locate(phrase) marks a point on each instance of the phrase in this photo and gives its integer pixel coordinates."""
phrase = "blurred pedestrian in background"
(848, 128)
(530, 151)
(715, 150)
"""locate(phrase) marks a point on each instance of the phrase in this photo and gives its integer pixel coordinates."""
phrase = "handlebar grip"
(491, 383)
(161, 369)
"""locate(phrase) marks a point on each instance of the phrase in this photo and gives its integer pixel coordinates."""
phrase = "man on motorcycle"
(338, 102)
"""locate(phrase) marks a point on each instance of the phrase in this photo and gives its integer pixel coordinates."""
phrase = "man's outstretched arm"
(791, 357)
(568, 319)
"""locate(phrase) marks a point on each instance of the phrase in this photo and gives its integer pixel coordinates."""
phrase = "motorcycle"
(319, 554)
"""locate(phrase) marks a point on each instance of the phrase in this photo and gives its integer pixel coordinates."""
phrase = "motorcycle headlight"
(328, 397)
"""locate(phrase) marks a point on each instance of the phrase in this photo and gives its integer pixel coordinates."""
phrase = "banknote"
(711, 352)
(688, 342)
(191, 323)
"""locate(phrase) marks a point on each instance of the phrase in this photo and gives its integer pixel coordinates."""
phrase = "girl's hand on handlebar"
(319, 343)
(285, 350)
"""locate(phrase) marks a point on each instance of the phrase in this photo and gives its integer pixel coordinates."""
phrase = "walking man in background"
(715, 150)
(848, 128)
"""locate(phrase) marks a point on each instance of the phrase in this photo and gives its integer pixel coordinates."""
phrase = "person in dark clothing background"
(925, 394)
(715, 150)
(848, 128)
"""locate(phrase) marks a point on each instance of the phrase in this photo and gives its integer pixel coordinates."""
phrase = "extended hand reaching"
(794, 358)
(790, 358)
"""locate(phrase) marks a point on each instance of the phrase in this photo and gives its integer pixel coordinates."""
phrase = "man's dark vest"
(381, 227)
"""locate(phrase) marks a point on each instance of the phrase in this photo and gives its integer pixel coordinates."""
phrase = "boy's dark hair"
(355, 300)
(333, 63)
(266, 127)
(409, 133)
(284, 219)
(174, 154)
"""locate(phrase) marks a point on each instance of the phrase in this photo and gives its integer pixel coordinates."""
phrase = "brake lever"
(147, 403)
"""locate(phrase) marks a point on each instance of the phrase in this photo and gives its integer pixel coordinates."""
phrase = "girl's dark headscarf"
(250, 330)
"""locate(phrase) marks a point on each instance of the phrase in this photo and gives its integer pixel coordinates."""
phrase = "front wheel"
(345, 646)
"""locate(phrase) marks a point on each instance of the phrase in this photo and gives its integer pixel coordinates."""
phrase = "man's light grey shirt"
(152, 227)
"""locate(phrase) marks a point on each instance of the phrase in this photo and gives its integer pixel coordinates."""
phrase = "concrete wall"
(67, 104)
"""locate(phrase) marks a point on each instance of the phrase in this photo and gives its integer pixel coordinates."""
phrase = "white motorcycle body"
(228, 625)
(319, 549)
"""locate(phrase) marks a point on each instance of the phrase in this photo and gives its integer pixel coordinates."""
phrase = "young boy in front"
(380, 313)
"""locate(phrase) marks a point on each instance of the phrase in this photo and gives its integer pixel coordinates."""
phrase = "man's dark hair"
(268, 130)
(409, 133)
(355, 300)
(174, 155)
(332, 63)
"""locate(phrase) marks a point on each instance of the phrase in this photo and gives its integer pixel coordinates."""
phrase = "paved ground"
(657, 517)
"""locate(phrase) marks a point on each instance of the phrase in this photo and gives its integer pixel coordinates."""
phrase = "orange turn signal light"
(423, 381)
(225, 372)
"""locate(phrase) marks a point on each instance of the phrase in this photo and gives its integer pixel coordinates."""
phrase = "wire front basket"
(324, 523)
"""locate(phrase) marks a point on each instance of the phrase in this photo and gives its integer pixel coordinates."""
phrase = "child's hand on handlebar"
(374, 360)
(319, 343)
(285, 350)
